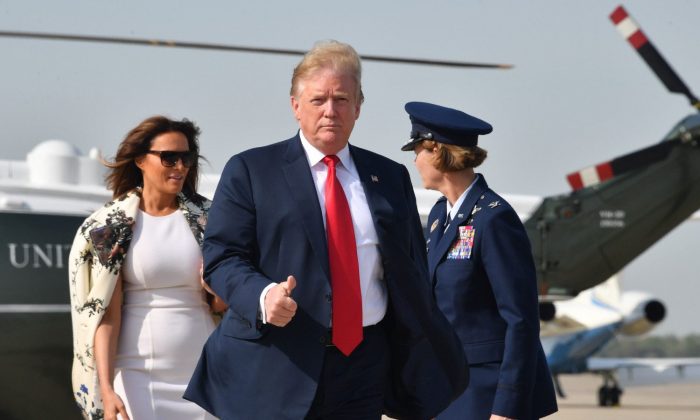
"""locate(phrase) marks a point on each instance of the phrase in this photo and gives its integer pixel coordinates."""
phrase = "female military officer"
(481, 268)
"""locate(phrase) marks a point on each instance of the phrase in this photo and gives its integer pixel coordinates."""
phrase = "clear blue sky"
(578, 93)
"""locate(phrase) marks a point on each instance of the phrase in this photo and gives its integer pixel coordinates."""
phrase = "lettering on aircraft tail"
(612, 218)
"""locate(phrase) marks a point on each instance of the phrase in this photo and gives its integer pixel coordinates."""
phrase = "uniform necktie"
(342, 257)
(447, 222)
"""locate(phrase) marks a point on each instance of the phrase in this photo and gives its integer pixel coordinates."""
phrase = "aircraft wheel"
(614, 394)
(603, 396)
(609, 396)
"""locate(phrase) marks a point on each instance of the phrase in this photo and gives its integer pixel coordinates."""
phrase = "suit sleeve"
(509, 266)
(230, 247)
(438, 364)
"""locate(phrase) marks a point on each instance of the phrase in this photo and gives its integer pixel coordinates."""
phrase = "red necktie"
(342, 256)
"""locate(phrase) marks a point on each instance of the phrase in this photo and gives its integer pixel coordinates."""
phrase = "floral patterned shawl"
(95, 260)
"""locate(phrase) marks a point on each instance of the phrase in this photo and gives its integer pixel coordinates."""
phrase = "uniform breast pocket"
(455, 268)
(455, 274)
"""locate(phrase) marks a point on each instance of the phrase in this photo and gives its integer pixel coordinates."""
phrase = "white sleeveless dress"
(165, 320)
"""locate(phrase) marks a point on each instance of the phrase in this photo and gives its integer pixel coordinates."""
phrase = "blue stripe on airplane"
(569, 353)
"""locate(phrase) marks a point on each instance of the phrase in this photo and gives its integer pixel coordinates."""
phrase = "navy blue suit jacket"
(265, 224)
(489, 295)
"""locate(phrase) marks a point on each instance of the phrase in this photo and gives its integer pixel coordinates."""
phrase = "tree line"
(653, 346)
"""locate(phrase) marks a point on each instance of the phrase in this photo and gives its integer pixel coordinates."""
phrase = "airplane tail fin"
(608, 292)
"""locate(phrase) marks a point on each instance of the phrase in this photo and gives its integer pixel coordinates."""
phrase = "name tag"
(462, 247)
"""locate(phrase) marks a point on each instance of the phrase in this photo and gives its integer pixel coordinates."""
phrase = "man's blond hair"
(333, 55)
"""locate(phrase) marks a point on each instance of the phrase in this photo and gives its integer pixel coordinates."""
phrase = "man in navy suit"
(482, 271)
(316, 246)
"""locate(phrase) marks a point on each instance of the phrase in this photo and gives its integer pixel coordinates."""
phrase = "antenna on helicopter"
(239, 48)
(631, 31)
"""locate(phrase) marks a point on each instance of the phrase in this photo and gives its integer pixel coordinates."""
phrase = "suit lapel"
(301, 186)
(450, 234)
(371, 183)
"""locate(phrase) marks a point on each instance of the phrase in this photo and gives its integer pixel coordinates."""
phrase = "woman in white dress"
(140, 317)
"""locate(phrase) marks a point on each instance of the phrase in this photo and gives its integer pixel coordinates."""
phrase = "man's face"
(326, 107)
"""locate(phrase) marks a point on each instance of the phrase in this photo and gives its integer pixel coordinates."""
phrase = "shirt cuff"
(263, 316)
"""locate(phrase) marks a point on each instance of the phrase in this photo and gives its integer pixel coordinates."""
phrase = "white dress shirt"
(453, 210)
(374, 295)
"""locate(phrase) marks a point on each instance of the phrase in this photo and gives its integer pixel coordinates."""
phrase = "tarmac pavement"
(677, 401)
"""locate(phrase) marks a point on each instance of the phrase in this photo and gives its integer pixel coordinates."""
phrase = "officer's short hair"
(451, 158)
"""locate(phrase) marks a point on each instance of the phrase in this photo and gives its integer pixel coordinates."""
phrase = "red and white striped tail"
(628, 27)
(590, 176)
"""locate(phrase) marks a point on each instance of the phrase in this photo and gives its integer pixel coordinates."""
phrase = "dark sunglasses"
(170, 158)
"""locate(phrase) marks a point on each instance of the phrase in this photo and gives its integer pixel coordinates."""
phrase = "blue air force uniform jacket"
(484, 281)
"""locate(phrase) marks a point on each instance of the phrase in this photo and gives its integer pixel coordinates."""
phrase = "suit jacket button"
(322, 340)
(329, 297)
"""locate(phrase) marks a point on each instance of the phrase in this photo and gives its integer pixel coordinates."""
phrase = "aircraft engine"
(547, 311)
(645, 315)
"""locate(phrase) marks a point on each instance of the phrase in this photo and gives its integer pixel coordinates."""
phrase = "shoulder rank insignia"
(494, 204)
(434, 225)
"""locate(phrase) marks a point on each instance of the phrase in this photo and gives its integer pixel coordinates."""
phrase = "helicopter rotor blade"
(631, 31)
(596, 174)
(239, 48)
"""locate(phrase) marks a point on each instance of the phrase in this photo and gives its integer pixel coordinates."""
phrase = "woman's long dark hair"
(124, 175)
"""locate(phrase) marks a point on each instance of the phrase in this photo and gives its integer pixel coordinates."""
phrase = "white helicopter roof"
(57, 178)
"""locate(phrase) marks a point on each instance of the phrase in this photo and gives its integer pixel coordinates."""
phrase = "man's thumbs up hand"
(289, 285)
(279, 306)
